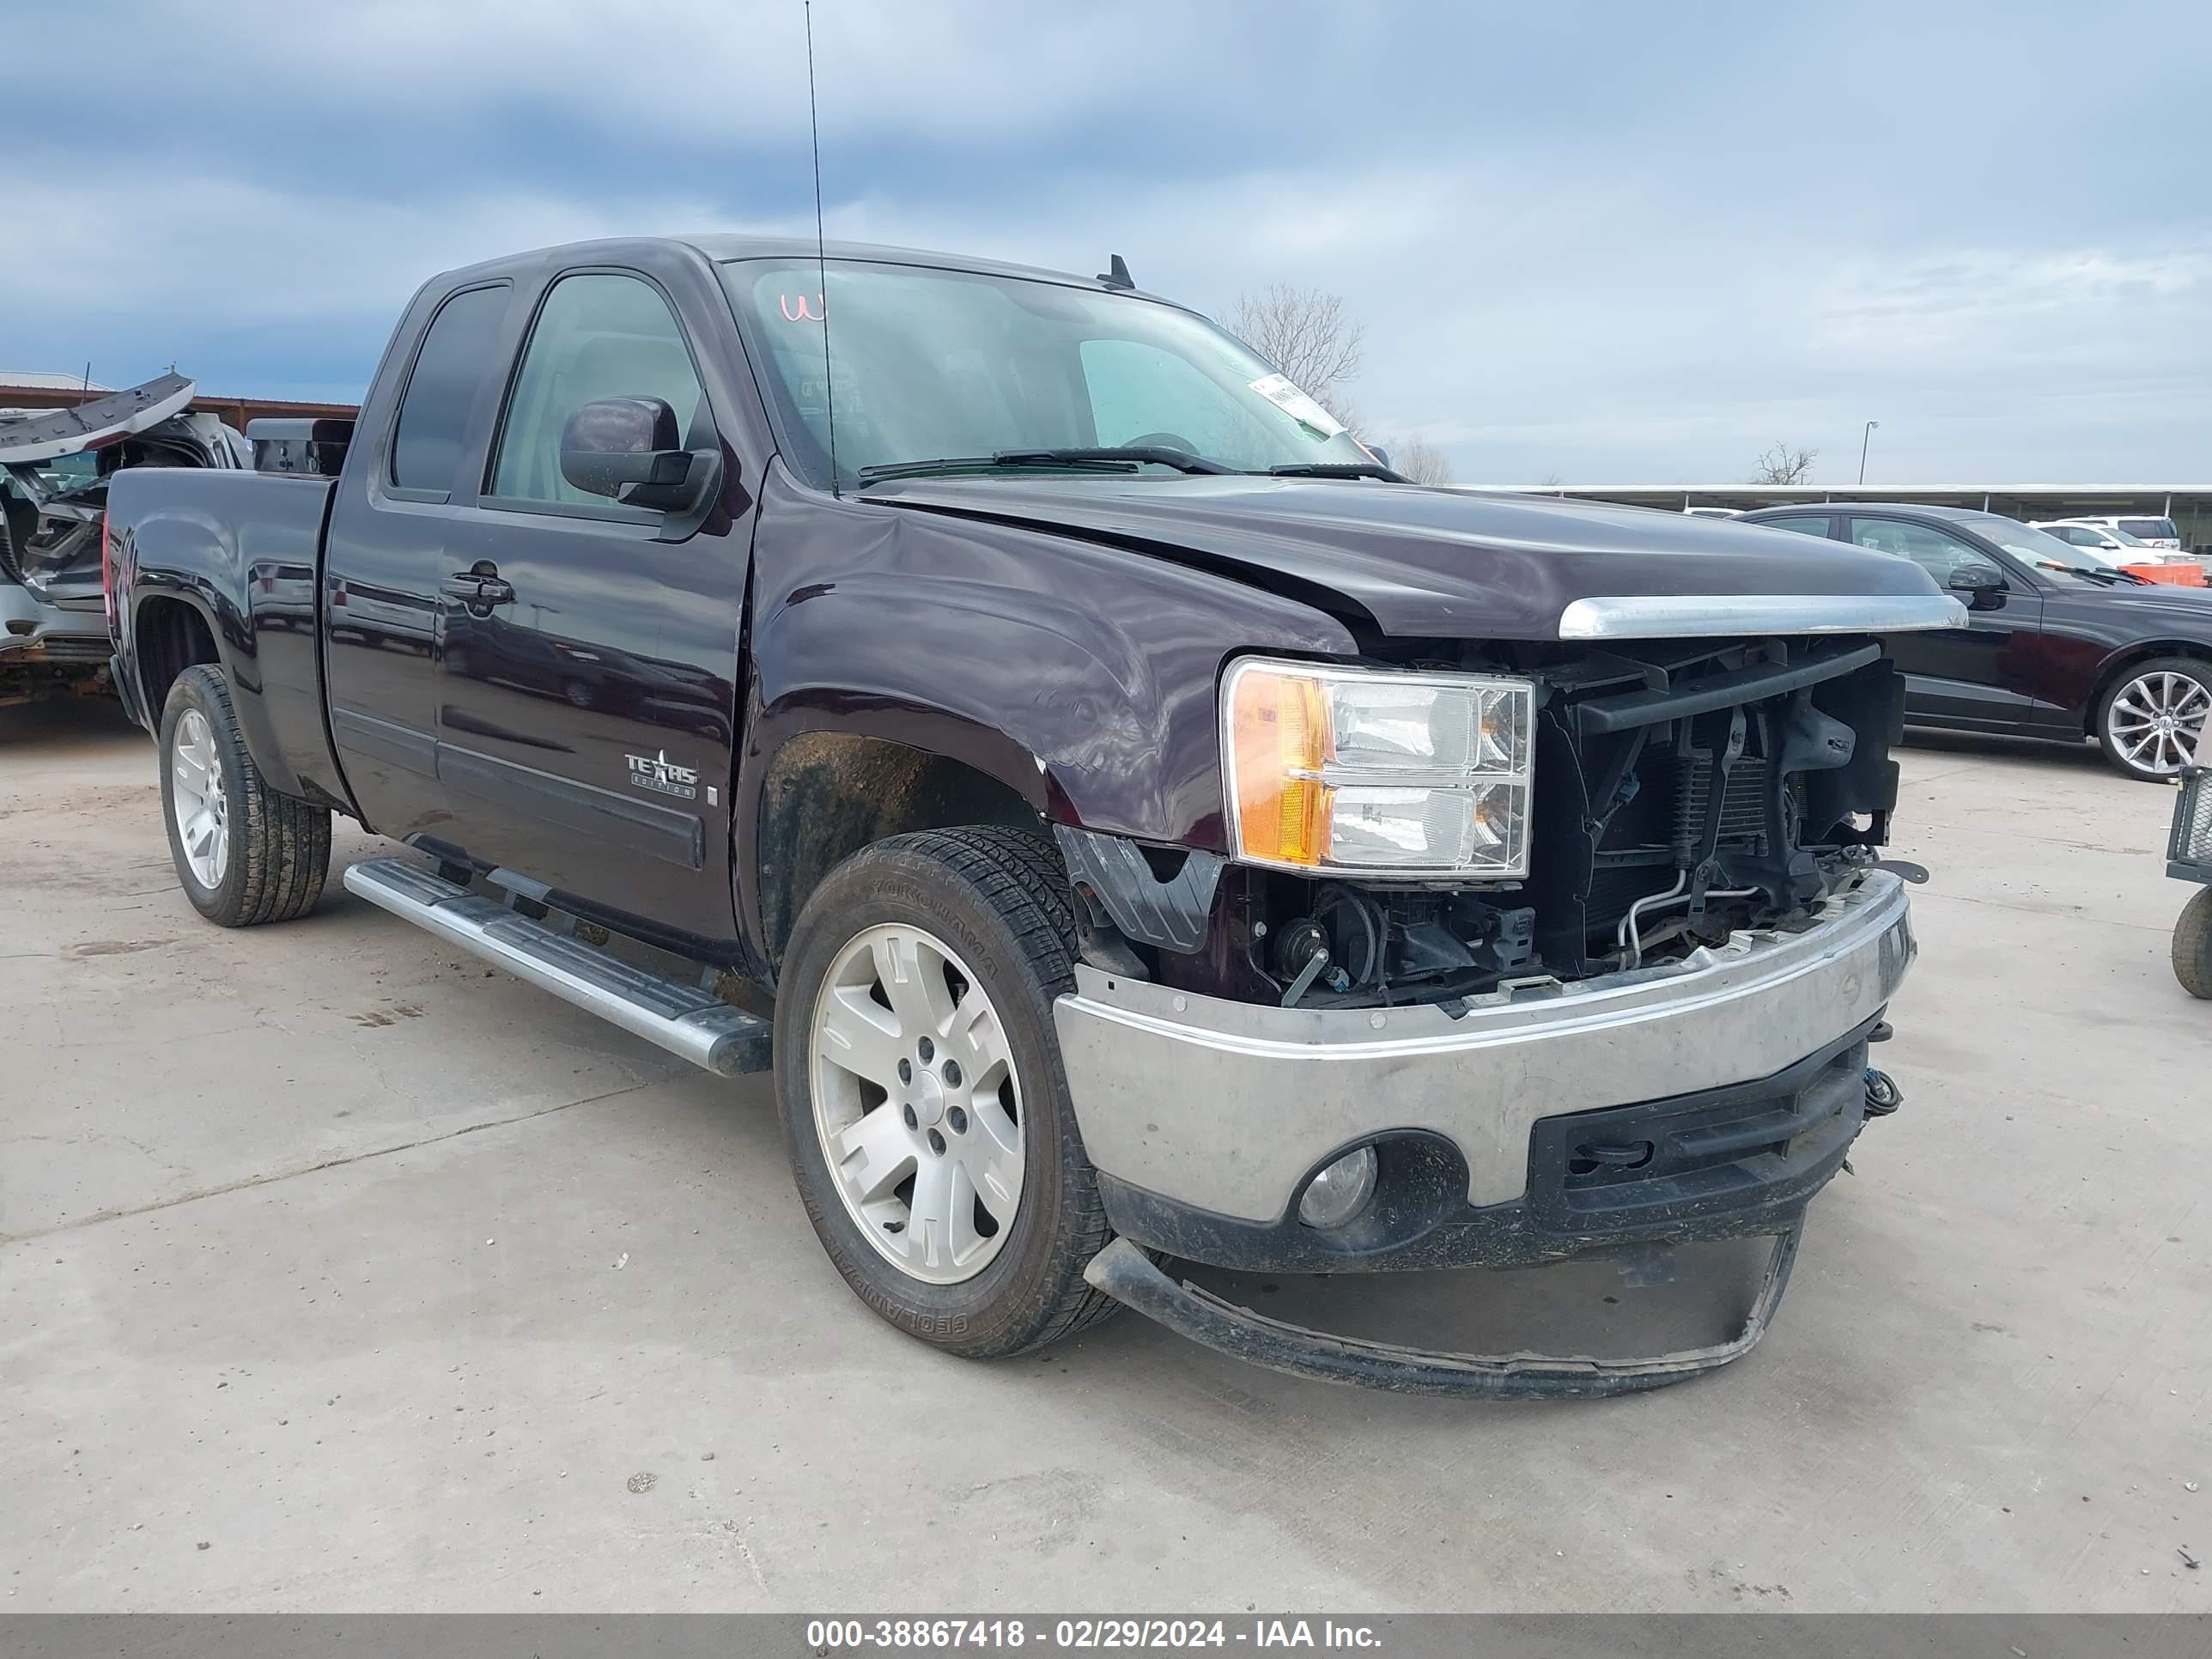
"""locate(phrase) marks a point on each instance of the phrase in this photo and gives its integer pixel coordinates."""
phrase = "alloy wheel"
(2156, 719)
(201, 808)
(917, 1103)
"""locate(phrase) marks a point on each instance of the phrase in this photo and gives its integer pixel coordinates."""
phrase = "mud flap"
(1127, 1275)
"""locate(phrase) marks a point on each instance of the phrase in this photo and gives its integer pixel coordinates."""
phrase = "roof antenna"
(1116, 274)
(821, 254)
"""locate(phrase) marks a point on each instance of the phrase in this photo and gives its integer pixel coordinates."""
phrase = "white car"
(2128, 530)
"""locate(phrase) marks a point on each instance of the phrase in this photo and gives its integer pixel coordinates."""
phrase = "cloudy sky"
(1598, 243)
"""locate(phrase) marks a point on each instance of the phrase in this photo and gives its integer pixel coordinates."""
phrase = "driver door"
(586, 700)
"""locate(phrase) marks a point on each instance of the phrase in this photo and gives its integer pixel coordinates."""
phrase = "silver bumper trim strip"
(1703, 615)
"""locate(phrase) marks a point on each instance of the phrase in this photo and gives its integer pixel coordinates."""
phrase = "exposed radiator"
(1743, 810)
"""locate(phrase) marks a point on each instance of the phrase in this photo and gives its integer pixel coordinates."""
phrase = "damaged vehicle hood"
(1424, 563)
(54, 468)
(49, 433)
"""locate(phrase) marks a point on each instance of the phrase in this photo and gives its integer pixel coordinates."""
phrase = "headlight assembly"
(1375, 771)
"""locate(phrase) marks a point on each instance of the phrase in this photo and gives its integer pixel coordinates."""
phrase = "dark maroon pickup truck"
(1134, 823)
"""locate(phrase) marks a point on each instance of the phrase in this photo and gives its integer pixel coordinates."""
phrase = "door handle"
(478, 590)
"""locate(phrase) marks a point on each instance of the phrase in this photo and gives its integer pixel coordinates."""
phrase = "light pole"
(1863, 438)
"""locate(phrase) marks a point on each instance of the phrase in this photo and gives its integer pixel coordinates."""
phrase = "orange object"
(2172, 576)
(1281, 739)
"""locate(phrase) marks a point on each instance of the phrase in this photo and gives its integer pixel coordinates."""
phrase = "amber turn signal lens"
(1281, 739)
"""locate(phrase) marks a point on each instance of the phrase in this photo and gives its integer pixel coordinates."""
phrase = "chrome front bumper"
(1228, 1107)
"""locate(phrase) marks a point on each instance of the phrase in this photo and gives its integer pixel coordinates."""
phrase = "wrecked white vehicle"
(54, 468)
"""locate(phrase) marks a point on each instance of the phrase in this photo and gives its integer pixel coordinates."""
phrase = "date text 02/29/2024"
(832, 1635)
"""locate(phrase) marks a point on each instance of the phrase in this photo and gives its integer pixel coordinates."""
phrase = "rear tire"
(245, 854)
(2129, 716)
(986, 911)
(2192, 946)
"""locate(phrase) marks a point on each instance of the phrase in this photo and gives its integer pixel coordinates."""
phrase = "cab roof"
(724, 248)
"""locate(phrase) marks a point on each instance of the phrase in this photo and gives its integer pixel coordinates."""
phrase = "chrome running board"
(684, 1019)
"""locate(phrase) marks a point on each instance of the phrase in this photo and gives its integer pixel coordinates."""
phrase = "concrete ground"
(337, 1274)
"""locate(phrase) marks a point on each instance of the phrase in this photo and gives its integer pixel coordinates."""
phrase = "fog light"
(1340, 1191)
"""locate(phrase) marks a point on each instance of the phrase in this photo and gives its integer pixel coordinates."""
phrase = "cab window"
(449, 372)
(599, 334)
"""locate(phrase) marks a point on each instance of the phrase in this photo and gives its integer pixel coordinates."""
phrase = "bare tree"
(1783, 465)
(1305, 333)
(1420, 460)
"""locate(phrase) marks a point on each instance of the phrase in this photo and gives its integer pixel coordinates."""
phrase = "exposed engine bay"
(1682, 790)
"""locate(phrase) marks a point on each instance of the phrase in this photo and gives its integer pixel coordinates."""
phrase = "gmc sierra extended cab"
(1132, 822)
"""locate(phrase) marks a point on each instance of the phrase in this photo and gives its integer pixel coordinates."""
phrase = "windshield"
(2147, 529)
(2039, 547)
(927, 364)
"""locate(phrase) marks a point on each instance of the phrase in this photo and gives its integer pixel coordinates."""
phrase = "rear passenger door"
(386, 547)
(1974, 678)
(586, 695)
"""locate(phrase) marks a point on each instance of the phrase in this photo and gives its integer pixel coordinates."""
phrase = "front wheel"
(922, 1094)
(2192, 946)
(2151, 718)
(244, 853)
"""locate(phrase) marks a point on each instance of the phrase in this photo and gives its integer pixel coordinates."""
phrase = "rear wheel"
(2192, 946)
(244, 853)
(2151, 718)
(922, 1094)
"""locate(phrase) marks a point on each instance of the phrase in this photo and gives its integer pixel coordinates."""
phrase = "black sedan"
(2058, 643)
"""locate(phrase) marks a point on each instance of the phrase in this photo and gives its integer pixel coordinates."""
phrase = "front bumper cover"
(1706, 1099)
(1127, 1275)
(1229, 1108)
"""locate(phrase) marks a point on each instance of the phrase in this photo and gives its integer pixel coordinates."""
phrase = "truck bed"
(241, 552)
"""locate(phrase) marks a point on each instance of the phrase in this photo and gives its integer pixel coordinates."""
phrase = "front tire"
(244, 854)
(2192, 946)
(2149, 720)
(922, 1093)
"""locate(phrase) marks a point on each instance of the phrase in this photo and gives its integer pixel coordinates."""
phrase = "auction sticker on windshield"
(1278, 390)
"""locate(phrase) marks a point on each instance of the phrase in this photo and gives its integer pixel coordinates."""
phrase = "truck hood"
(1451, 564)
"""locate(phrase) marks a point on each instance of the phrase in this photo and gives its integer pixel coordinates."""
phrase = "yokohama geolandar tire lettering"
(244, 854)
(984, 910)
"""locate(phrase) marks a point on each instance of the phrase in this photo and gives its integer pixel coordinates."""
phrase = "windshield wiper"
(978, 464)
(1125, 459)
(1181, 460)
(1338, 470)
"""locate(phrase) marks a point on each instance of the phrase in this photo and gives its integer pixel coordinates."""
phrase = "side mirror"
(1382, 455)
(1982, 584)
(628, 448)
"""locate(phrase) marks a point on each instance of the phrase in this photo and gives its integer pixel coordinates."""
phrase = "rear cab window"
(442, 388)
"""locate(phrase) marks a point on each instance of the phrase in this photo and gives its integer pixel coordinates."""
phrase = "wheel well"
(170, 637)
(2132, 657)
(828, 794)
